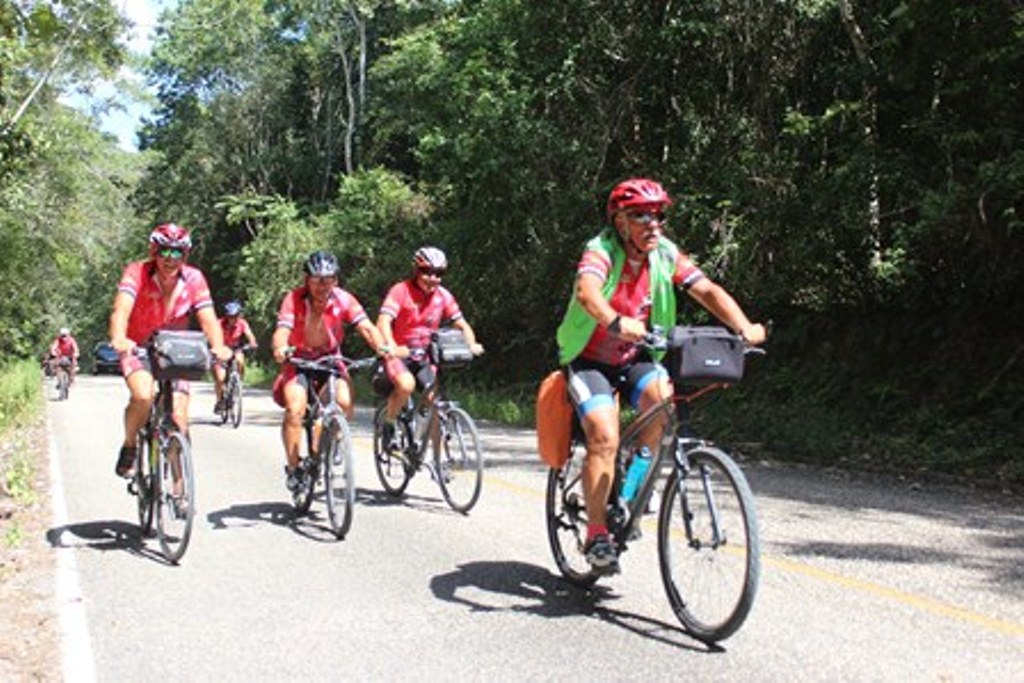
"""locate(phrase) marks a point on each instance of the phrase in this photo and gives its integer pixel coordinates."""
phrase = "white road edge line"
(77, 662)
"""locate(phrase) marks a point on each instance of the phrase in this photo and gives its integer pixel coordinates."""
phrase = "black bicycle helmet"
(322, 264)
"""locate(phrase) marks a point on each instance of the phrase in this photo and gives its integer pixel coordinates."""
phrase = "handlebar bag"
(179, 354)
(705, 355)
(448, 347)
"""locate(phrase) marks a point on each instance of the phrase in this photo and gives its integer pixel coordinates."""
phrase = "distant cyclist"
(158, 293)
(65, 346)
(237, 334)
(625, 282)
(412, 310)
(310, 324)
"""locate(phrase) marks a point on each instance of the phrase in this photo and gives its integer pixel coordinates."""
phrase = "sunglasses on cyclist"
(168, 252)
(323, 279)
(439, 272)
(646, 217)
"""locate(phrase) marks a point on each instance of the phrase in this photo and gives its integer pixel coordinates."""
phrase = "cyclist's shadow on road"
(538, 591)
(105, 535)
(313, 524)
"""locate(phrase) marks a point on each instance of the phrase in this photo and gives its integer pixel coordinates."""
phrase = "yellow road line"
(919, 602)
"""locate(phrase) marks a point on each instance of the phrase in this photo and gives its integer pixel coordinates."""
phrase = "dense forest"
(852, 171)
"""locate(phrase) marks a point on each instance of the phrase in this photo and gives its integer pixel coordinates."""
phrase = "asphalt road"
(864, 579)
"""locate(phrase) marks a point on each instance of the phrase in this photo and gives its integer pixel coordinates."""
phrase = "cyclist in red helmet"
(625, 282)
(158, 293)
(65, 346)
(412, 310)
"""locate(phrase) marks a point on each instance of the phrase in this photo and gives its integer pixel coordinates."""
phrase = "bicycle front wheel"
(175, 501)
(234, 401)
(393, 471)
(144, 481)
(63, 384)
(459, 461)
(566, 514)
(339, 480)
(708, 545)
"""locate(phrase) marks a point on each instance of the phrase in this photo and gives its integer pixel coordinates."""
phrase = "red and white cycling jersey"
(631, 298)
(342, 309)
(191, 293)
(235, 335)
(416, 314)
(64, 346)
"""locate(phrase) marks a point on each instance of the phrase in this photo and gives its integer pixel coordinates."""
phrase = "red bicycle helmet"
(636, 192)
(170, 236)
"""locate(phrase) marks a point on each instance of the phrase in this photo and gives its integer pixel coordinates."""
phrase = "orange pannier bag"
(554, 420)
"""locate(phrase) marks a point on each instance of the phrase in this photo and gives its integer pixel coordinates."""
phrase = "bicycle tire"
(174, 521)
(711, 582)
(63, 384)
(339, 478)
(144, 481)
(392, 471)
(234, 398)
(224, 412)
(566, 515)
(458, 461)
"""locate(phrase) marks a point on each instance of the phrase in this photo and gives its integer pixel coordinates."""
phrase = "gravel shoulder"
(29, 631)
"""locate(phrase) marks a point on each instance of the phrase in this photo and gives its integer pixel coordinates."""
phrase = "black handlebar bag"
(448, 347)
(705, 355)
(179, 354)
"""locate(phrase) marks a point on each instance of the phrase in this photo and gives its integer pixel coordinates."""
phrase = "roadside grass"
(256, 375)
(21, 400)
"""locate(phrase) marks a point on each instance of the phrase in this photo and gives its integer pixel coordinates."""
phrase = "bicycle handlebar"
(657, 340)
(329, 363)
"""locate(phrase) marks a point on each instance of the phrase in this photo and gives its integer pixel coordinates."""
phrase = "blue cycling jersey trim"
(634, 398)
(598, 401)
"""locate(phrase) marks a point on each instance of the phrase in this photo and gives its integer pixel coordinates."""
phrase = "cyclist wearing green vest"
(626, 280)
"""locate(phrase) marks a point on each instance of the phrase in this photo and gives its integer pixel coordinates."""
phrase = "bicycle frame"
(674, 444)
(433, 406)
(318, 409)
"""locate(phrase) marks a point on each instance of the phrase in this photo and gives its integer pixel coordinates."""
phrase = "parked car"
(105, 360)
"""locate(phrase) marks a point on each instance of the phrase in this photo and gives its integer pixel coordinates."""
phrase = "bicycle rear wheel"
(234, 400)
(567, 519)
(393, 472)
(144, 481)
(708, 545)
(458, 461)
(339, 479)
(175, 501)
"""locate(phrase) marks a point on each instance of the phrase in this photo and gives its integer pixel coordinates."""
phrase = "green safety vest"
(577, 327)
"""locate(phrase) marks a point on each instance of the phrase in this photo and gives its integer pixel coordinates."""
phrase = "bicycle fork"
(684, 468)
